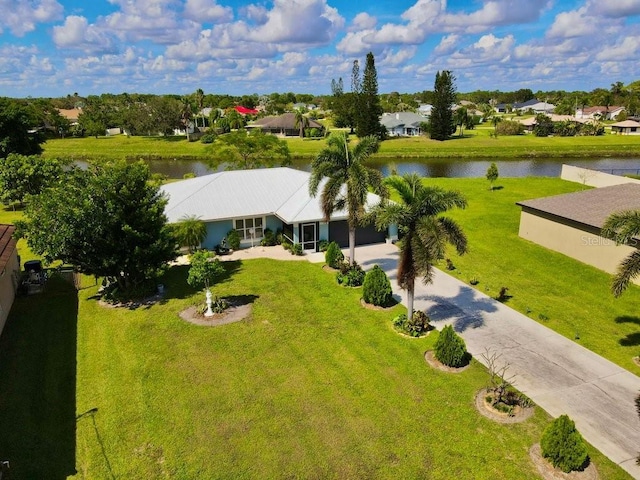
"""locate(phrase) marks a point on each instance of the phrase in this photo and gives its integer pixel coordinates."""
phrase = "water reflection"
(538, 167)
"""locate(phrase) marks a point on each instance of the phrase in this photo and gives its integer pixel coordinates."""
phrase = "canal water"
(538, 167)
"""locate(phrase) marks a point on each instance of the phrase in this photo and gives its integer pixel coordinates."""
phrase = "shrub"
(323, 245)
(296, 249)
(563, 445)
(218, 305)
(450, 348)
(208, 138)
(268, 238)
(377, 288)
(350, 275)
(509, 127)
(414, 327)
(333, 256)
(233, 239)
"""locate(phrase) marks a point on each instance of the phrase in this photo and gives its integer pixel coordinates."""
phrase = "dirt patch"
(329, 269)
(234, 313)
(371, 306)
(518, 415)
(133, 304)
(435, 363)
(549, 472)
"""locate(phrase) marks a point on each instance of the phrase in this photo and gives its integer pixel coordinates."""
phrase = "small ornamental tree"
(450, 348)
(492, 174)
(333, 256)
(377, 288)
(205, 267)
(563, 445)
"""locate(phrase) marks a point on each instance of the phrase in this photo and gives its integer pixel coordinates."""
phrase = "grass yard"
(312, 386)
(475, 144)
(566, 295)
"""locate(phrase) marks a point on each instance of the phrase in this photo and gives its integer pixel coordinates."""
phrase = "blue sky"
(58, 47)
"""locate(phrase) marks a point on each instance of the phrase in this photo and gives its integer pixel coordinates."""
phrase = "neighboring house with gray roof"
(402, 124)
(626, 127)
(250, 201)
(571, 224)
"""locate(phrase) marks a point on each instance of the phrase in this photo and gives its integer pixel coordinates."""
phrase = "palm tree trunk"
(352, 244)
(410, 292)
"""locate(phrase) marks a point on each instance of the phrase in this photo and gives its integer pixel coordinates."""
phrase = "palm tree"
(624, 227)
(186, 113)
(190, 232)
(461, 118)
(425, 232)
(302, 121)
(341, 165)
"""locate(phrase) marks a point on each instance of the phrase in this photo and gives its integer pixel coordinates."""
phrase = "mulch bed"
(133, 304)
(519, 414)
(549, 472)
(235, 313)
(371, 306)
(435, 363)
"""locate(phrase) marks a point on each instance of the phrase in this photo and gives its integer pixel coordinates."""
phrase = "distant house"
(9, 271)
(70, 114)
(402, 124)
(425, 109)
(534, 105)
(284, 125)
(600, 112)
(571, 224)
(627, 127)
(530, 122)
(250, 201)
(245, 111)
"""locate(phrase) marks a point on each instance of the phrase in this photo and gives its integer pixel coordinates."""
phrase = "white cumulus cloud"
(22, 16)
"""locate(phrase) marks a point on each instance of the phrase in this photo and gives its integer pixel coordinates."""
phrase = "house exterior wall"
(8, 287)
(216, 231)
(625, 130)
(273, 223)
(585, 246)
(593, 178)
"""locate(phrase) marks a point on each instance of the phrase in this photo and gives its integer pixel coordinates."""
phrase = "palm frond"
(454, 234)
(402, 187)
(330, 196)
(628, 269)
(622, 226)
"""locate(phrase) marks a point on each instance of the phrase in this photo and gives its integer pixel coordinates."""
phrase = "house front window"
(248, 226)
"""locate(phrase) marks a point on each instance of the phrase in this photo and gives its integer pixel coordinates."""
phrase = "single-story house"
(284, 124)
(571, 224)
(530, 122)
(535, 105)
(424, 109)
(250, 201)
(9, 271)
(600, 112)
(626, 127)
(402, 124)
(70, 114)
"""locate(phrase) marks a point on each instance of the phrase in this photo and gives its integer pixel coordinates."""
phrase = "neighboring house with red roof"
(571, 223)
(9, 271)
(245, 111)
(599, 111)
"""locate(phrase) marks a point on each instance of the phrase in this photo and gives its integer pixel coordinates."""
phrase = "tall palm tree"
(461, 118)
(341, 166)
(190, 231)
(425, 231)
(302, 121)
(186, 113)
(623, 227)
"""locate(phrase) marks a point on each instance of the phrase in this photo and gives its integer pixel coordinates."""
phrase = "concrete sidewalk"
(558, 374)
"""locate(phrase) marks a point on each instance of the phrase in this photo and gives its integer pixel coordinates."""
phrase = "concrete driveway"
(558, 374)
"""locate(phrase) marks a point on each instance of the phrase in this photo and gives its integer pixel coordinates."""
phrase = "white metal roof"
(282, 191)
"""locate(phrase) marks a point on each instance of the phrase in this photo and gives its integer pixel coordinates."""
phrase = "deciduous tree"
(21, 176)
(242, 150)
(15, 123)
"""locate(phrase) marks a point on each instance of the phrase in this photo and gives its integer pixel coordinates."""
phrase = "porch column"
(296, 233)
(393, 232)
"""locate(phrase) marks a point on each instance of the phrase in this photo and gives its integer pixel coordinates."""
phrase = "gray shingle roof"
(589, 207)
(282, 191)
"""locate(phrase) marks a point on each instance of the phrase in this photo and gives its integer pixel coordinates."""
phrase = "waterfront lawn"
(475, 144)
(311, 386)
(564, 294)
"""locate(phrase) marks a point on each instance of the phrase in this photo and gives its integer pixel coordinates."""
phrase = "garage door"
(339, 233)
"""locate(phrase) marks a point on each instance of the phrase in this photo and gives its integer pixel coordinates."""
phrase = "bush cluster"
(415, 327)
(269, 238)
(377, 288)
(509, 127)
(233, 239)
(350, 275)
(450, 348)
(563, 445)
(293, 248)
(333, 256)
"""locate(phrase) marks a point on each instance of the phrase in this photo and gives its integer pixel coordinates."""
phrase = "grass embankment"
(563, 294)
(475, 144)
(312, 386)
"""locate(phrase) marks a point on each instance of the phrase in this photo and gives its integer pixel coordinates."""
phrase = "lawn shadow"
(388, 264)
(632, 339)
(169, 138)
(627, 319)
(448, 309)
(38, 388)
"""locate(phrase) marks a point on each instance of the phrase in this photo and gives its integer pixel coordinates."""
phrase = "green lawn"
(475, 144)
(311, 386)
(573, 296)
